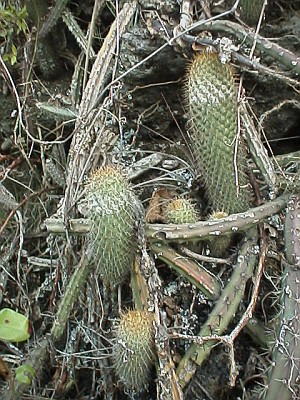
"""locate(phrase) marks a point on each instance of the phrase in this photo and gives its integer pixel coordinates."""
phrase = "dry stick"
(96, 10)
(167, 381)
(257, 149)
(186, 232)
(15, 210)
(224, 309)
(211, 228)
(289, 158)
(86, 130)
(201, 257)
(278, 53)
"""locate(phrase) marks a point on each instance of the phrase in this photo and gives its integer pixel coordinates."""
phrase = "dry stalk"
(185, 232)
(167, 381)
(89, 127)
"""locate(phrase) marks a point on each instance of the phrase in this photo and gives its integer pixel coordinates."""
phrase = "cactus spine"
(250, 10)
(180, 211)
(219, 245)
(110, 204)
(212, 111)
(133, 350)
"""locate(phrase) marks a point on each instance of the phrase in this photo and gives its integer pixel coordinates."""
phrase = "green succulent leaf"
(13, 326)
(25, 374)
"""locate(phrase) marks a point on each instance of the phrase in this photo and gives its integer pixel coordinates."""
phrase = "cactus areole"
(110, 204)
(211, 101)
(133, 349)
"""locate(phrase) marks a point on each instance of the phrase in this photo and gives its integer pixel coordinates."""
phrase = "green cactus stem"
(213, 128)
(223, 311)
(250, 10)
(46, 51)
(220, 245)
(284, 377)
(110, 205)
(133, 349)
(188, 269)
(180, 211)
(73, 290)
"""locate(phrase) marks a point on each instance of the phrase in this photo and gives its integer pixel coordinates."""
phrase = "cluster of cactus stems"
(212, 109)
(221, 162)
(111, 246)
(111, 250)
(283, 381)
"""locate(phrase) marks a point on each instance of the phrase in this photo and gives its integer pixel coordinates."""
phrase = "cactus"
(284, 377)
(213, 127)
(250, 10)
(180, 211)
(223, 311)
(110, 204)
(218, 246)
(133, 349)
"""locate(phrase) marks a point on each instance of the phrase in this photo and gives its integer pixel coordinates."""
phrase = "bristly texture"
(133, 349)
(180, 211)
(250, 10)
(110, 204)
(213, 127)
(219, 245)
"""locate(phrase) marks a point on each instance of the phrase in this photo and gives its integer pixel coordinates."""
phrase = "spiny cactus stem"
(192, 271)
(53, 16)
(218, 158)
(133, 349)
(72, 293)
(206, 229)
(284, 379)
(252, 11)
(223, 311)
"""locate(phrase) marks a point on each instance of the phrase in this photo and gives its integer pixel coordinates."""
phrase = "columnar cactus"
(219, 245)
(110, 205)
(213, 127)
(133, 349)
(250, 10)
